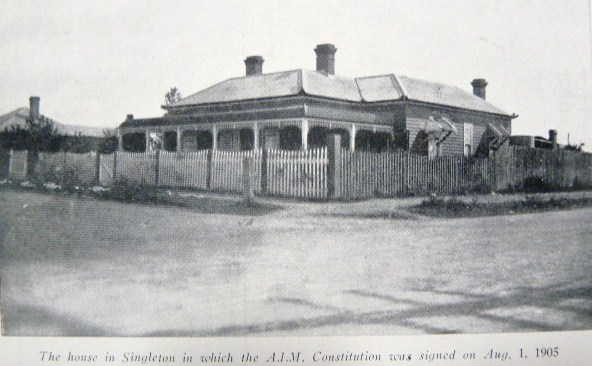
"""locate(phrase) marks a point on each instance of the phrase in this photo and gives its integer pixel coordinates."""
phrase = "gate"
(107, 169)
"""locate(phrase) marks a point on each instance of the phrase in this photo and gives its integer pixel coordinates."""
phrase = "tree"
(172, 96)
(108, 142)
(574, 147)
(37, 135)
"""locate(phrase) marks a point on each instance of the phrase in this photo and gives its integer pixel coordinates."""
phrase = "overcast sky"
(93, 62)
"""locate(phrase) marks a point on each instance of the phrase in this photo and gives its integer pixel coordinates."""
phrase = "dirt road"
(84, 267)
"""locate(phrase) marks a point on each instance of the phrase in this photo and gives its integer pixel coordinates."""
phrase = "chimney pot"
(254, 65)
(479, 86)
(326, 58)
(553, 138)
(34, 108)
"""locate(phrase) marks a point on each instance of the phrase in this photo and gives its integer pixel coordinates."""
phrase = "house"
(18, 117)
(91, 137)
(296, 109)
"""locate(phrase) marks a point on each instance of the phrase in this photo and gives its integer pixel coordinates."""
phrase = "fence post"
(563, 169)
(408, 172)
(334, 166)
(31, 160)
(64, 165)
(157, 168)
(248, 191)
(115, 166)
(209, 169)
(97, 168)
(264, 171)
(493, 157)
(26, 165)
(10, 154)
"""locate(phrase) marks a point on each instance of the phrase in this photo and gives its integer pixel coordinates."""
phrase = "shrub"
(452, 204)
(532, 202)
(68, 178)
(536, 185)
(126, 191)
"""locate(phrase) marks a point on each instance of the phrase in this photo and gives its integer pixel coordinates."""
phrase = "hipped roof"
(380, 88)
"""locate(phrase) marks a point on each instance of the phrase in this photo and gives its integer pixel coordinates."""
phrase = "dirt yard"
(80, 266)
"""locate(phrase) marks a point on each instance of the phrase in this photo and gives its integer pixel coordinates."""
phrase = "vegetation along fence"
(315, 173)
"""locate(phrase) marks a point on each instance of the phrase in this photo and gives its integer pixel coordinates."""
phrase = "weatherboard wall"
(417, 114)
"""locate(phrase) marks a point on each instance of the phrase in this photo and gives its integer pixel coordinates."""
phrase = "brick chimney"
(34, 108)
(326, 58)
(553, 138)
(479, 86)
(254, 65)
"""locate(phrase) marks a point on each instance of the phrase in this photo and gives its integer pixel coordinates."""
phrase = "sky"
(94, 62)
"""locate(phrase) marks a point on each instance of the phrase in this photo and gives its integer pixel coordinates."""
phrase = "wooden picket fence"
(18, 164)
(559, 169)
(184, 169)
(449, 175)
(83, 166)
(315, 173)
(300, 174)
(368, 174)
(65, 166)
(137, 168)
(227, 170)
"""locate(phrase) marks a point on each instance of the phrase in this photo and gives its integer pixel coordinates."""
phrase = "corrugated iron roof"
(437, 93)
(273, 85)
(245, 88)
(363, 89)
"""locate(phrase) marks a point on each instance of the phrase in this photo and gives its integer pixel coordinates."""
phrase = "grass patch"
(457, 207)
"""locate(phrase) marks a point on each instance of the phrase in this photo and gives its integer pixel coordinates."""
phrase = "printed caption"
(452, 356)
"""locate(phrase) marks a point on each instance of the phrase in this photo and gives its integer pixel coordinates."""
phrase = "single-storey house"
(89, 138)
(19, 116)
(296, 109)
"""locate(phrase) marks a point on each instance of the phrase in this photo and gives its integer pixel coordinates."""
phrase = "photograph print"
(312, 168)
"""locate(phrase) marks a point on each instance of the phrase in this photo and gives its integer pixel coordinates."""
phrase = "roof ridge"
(375, 76)
(15, 111)
(359, 90)
(342, 77)
(397, 83)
